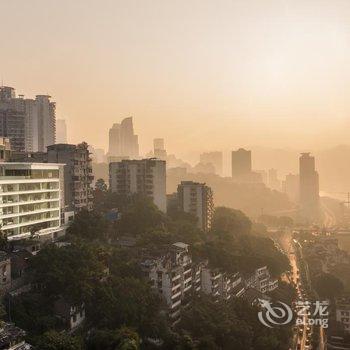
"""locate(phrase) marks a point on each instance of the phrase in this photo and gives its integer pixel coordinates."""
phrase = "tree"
(70, 271)
(231, 221)
(328, 286)
(53, 340)
(120, 339)
(89, 225)
(141, 216)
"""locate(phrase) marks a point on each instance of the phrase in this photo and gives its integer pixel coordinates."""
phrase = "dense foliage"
(122, 310)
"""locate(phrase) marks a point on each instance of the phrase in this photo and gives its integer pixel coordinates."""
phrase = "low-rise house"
(12, 338)
(20, 273)
(72, 316)
(5, 272)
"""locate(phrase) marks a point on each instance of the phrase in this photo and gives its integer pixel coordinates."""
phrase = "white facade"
(261, 280)
(30, 199)
(146, 177)
(172, 276)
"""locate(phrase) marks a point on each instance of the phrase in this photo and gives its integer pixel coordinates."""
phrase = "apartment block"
(197, 199)
(172, 276)
(146, 177)
(261, 280)
(30, 199)
(77, 174)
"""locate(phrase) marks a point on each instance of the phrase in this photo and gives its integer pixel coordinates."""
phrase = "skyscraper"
(61, 131)
(309, 185)
(46, 122)
(214, 158)
(291, 187)
(29, 124)
(159, 149)
(197, 199)
(122, 140)
(273, 182)
(158, 143)
(146, 177)
(241, 163)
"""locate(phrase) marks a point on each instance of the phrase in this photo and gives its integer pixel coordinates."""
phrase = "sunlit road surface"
(301, 337)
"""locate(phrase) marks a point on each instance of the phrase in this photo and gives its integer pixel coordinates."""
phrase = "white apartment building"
(146, 177)
(262, 280)
(197, 199)
(211, 280)
(172, 276)
(30, 199)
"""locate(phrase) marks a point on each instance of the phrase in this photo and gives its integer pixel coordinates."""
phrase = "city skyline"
(273, 74)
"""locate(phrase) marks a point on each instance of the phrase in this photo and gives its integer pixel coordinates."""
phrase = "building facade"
(77, 174)
(308, 186)
(30, 200)
(122, 140)
(61, 131)
(30, 124)
(146, 177)
(241, 163)
(214, 158)
(197, 199)
(172, 276)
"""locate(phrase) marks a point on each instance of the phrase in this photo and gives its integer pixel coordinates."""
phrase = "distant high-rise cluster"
(122, 140)
(29, 124)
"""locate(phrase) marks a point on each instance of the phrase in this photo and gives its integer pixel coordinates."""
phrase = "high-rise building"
(12, 126)
(158, 143)
(291, 187)
(122, 140)
(241, 163)
(29, 124)
(77, 174)
(197, 199)
(159, 149)
(214, 158)
(146, 177)
(97, 155)
(30, 199)
(273, 181)
(46, 121)
(61, 131)
(5, 149)
(308, 185)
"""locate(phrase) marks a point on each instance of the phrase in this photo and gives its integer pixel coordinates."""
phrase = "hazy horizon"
(204, 75)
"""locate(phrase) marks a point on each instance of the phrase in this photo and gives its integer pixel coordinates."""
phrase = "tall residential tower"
(122, 140)
(308, 186)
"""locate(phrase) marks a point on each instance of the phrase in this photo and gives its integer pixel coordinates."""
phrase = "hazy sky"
(203, 74)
